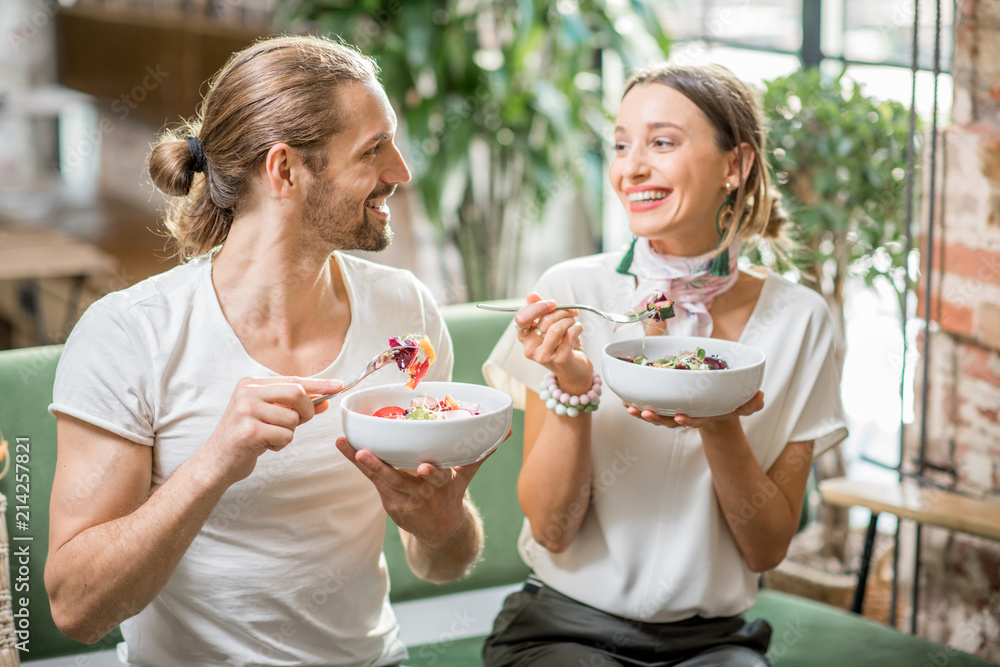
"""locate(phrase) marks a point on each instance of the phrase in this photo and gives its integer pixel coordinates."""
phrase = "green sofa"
(452, 616)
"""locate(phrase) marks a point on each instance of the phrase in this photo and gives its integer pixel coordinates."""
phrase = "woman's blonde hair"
(281, 89)
(733, 111)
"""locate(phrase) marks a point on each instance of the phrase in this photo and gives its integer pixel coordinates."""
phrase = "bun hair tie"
(197, 163)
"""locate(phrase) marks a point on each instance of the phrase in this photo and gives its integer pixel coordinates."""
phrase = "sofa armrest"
(26, 378)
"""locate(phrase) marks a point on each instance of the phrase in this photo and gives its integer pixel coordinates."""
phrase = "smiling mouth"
(377, 200)
(377, 205)
(648, 195)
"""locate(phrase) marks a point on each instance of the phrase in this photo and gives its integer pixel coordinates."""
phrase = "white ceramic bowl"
(670, 391)
(445, 443)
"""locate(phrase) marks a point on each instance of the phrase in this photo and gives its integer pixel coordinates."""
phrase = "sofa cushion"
(26, 378)
(811, 633)
(806, 634)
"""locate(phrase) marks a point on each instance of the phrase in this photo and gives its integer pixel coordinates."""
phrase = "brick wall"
(960, 585)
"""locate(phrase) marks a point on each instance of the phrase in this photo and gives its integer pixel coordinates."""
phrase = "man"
(218, 526)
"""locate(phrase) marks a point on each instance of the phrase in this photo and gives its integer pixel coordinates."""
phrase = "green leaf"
(845, 150)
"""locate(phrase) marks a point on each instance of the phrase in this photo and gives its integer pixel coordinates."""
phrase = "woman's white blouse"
(654, 545)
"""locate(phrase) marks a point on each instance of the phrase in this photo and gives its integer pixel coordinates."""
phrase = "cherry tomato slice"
(390, 412)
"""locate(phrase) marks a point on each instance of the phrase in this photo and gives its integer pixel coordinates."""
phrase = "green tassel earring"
(720, 263)
(625, 266)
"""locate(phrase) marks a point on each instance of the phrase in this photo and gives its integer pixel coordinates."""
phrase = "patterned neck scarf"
(687, 281)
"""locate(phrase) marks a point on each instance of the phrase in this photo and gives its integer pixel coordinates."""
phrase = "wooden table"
(908, 500)
(29, 255)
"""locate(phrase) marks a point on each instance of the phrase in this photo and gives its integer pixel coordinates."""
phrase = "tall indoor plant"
(501, 103)
(839, 157)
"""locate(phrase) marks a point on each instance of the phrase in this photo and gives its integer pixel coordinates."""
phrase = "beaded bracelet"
(565, 404)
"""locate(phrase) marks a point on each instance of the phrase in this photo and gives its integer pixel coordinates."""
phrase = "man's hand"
(427, 502)
(112, 544)
(262, 414)
(432, 506)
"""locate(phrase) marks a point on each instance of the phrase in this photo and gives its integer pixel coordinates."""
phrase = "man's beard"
(336, 222)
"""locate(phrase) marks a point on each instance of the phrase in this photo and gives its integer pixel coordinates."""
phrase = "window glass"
(753, 67)
(894, 83)
(881, 31)
(868, 31)
(764, 24)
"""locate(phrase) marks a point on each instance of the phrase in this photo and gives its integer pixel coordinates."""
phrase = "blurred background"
(505, 112)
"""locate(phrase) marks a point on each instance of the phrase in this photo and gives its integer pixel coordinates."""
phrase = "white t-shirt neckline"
(301, 537)
(223, 323)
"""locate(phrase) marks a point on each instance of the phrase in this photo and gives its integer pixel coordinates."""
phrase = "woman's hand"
(552, 338)
(755, 404)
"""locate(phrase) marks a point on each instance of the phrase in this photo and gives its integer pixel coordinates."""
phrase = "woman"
(646, 534)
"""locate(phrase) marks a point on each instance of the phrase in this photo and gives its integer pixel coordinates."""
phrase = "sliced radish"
(458, 413)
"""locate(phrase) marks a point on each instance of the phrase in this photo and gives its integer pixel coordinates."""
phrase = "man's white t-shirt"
(654, 545)
(288, 569)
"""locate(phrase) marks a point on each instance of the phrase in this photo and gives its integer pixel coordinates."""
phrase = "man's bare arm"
(113, 545)
(438, 523)
(453, 558)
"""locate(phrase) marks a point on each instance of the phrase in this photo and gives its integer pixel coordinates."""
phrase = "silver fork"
(382, 359)
(628, 318)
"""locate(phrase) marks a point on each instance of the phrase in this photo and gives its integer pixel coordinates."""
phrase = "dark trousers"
(539, 627)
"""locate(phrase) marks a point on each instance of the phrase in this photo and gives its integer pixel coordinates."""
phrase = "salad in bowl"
(683, 375)
(426, 407)
(406, 427)
(698, 360)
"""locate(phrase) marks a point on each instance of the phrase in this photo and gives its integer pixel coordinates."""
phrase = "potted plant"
(501, 103)
(840, 159)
